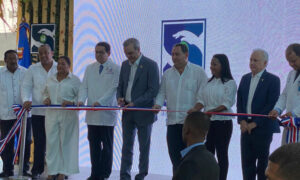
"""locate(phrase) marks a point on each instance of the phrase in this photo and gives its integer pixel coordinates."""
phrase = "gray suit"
(144, 90)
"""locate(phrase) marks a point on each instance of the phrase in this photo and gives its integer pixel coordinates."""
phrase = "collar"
(104, 64)
(188, 149)
(5, 69)
(137, 62)
(187, 66)
(258, 75)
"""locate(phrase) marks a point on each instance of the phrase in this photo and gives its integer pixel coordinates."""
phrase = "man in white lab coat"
(99, 87)
(289, 100)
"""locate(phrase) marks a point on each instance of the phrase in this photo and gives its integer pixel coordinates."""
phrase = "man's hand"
(244, 126)
(129, 105)
(47, 101)
(80, 104)
(273, 114)
(156, 106)
(27, 105)
(251, 126)
(121, 102)
(286, 115)
(96, 104)
(65, 103)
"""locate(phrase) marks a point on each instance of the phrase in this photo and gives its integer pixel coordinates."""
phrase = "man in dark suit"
(138, 86)
(257, 94)
(197, 162)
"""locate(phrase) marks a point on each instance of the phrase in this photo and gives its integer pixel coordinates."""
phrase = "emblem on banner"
(191, 32)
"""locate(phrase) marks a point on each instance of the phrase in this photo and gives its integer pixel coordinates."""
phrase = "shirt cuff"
(278, 110)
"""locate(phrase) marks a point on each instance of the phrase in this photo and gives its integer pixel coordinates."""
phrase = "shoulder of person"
(271, 75)
(148, 60)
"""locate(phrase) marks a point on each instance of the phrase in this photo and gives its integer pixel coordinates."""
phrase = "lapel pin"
(262, 80)
(141, 66)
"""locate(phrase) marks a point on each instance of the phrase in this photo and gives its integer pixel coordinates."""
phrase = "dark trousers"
(217, 141)
(101, 140)
(130, 128)
(175, 144)
(255, 152)
(8, 153)
(39, 137)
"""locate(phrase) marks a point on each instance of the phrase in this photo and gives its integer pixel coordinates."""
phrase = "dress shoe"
(35, 176)
(26, 174)
(6, 174)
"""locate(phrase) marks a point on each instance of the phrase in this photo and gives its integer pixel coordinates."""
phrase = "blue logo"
(192, 32)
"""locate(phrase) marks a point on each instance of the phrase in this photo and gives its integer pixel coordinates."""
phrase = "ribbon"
(293, 127)
(15, 128)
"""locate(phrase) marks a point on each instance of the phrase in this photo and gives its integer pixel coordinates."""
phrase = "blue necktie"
(100, 69)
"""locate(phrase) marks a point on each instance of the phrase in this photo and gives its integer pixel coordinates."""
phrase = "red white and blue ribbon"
(15, 128)
(293, 127)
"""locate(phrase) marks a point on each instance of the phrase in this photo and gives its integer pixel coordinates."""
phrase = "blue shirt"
(188, 149)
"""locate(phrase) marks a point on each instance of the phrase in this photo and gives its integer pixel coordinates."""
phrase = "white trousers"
(62, 136)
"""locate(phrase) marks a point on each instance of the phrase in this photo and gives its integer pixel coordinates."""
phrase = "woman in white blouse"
(219, 96)
(62, 126)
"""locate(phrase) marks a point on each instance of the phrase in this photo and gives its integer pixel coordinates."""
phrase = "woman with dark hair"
(62, 126)
(219, 96)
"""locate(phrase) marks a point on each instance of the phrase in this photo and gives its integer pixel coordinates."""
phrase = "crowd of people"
(193, 137)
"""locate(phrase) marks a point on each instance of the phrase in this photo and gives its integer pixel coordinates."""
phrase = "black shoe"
(25, 173)
(6, 174)
(93, 178)
(36, 176)
(66, 177)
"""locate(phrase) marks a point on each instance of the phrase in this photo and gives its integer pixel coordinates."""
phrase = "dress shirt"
(290, 96)
(100, 88)
(181, 91)
(215, 94)
(133, 69)
(253, 84)
(10, 85)
(65, 90)
(188, 149)
(34, 85)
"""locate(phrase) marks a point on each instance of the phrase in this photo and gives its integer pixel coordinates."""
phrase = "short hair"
(183, 46)
(262, 52)
(66, 58)
(135, 42)
(287, 157)
(198, 122)
(45, 45)
(105, 45)
(225, 68)
(8, 52)
(295, 47)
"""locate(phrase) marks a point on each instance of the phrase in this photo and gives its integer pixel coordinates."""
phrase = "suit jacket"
(144, 89)
(198, 164)
(265, 96)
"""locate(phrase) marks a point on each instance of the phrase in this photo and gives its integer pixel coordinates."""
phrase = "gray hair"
(263, 53)
(135, 42)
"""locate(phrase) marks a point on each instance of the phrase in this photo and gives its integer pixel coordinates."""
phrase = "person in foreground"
(62, 126)
(284, 163)
(197, 162)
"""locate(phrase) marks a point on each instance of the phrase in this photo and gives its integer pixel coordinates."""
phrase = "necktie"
(297, 74)
(100, 69)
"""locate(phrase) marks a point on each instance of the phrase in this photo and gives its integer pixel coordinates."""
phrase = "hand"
(156, 106)
(121, 102)
(244, 126)
(65, 103)
(251, 126)
(47, 101)
(208, 113)
(80, 104)
(129, 105)
(273, 114)
(27, 105)
(96, 104)
(286, 115)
